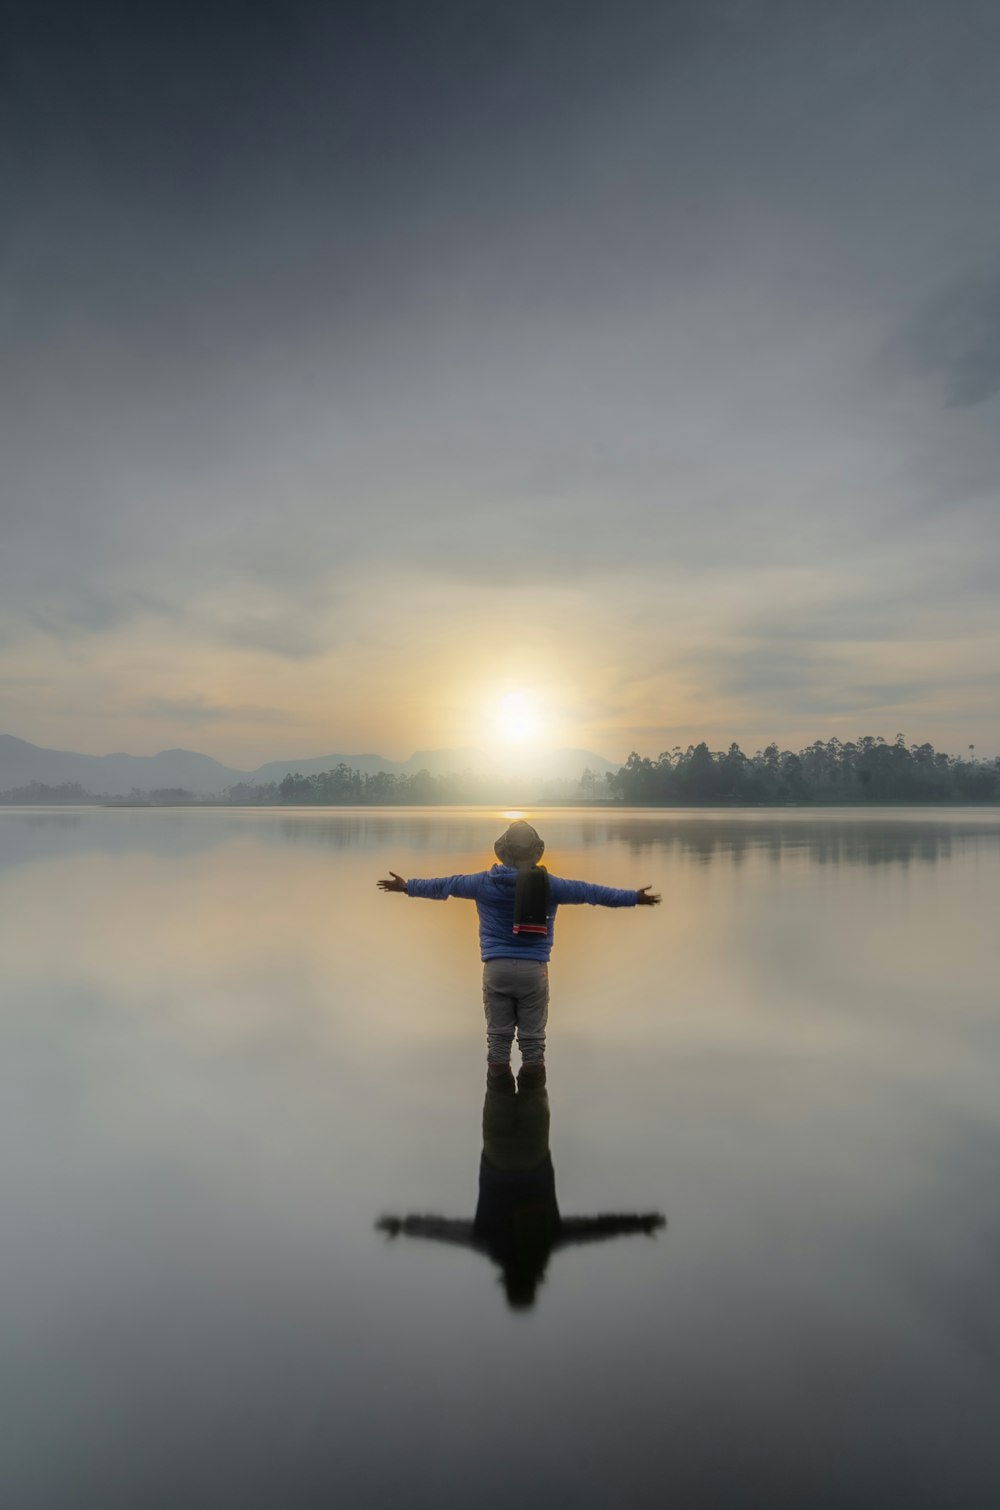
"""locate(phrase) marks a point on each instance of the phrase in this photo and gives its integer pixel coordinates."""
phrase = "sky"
(383, 376)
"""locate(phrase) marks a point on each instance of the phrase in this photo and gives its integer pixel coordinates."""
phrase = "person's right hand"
(643, 897)
(396, 884)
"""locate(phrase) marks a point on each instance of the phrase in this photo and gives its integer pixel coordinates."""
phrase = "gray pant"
(516, 995)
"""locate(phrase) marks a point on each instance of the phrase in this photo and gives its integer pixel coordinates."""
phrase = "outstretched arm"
(573, 893)
(594, 1229)
(444, 1229)
(434, 888)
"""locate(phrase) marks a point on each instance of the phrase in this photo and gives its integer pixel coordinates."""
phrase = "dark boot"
(499, 1077)
(531, 1077)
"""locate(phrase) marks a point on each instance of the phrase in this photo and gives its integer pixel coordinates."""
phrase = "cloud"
(170, 709)
(672, 331)
(956, 337)
(86, 611)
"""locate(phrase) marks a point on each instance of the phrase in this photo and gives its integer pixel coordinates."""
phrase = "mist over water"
(225, 1058)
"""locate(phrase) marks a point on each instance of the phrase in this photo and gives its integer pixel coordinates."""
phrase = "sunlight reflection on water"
(226, 1055)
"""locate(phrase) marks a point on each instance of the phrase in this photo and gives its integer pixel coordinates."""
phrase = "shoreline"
(535, 805)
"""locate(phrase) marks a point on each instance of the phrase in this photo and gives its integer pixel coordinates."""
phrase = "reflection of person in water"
(517, 1222)
(517, 902)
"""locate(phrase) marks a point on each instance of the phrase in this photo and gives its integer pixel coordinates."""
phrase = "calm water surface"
(226, 1058)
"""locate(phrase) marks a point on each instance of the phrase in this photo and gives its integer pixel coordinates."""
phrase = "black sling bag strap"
(531, 903)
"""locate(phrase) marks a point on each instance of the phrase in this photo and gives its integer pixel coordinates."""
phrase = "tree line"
(72, 792)
(384, 788)
(866, 770)
(869, 769)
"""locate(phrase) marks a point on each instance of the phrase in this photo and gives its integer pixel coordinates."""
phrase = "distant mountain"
(112, 775)
(118, 775)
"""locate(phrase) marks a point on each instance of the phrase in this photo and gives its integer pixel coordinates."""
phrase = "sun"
(518, 719)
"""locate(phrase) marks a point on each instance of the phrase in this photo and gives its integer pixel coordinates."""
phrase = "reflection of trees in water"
(339, 833)
(517, 1224)
(36, 821)
(428, 830)
(465, 836)
(834, 841)
(730, 836)
(27, 836)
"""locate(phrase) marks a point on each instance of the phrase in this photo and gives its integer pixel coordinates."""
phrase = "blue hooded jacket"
(493, 893)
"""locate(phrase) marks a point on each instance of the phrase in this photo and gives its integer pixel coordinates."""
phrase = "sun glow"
(518, 720)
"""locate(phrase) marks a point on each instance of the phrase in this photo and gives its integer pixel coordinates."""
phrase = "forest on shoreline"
(868, 770)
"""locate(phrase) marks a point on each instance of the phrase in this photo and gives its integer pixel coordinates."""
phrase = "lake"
(227, 1058)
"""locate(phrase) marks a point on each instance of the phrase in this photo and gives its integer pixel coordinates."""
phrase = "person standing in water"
(517, 901)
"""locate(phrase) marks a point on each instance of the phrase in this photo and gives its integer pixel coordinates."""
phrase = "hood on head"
(519, 845)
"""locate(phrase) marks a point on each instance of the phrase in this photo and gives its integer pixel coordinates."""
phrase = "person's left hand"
(646, 898)
(396, 884)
